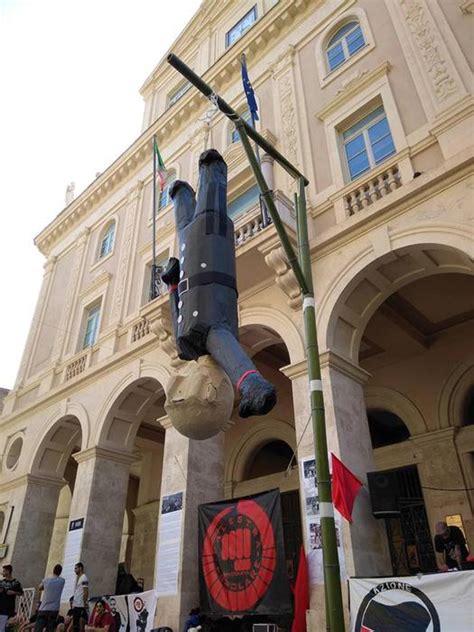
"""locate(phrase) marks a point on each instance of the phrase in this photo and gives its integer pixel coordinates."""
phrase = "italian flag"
(159, 165)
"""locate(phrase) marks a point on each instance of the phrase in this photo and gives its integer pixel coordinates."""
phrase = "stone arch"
(453, 393)
(395, 402)
(64, 431)
(365, 283)
(279, 323)
(261, 433)
(134, 399)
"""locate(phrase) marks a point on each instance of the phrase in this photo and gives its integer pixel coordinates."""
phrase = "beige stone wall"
(104, 402)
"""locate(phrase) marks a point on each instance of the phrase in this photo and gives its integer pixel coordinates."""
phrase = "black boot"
(170, 274)
(258, 396)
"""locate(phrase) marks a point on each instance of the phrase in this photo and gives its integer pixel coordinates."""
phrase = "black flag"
(242, 559)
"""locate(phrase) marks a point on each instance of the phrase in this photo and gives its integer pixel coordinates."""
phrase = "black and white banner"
(431, 603)
(132, 613)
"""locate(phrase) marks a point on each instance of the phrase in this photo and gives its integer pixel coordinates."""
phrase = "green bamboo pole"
(332, 578)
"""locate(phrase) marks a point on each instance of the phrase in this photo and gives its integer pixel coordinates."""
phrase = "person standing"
(450, 547)
(10, 589)
(52, 588)
(80, 599)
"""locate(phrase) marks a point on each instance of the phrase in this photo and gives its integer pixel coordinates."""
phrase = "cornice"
(357, 82)
(279, 19)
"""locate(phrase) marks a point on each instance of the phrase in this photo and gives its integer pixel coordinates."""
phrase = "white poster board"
(440, 602)
(72, 555)
(314, 546)
(169, 548)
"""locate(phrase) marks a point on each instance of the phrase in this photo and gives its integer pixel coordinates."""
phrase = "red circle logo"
(239, 556)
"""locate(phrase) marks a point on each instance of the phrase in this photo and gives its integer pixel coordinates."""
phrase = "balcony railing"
(76, 367)
(140, 330)
(372, 189)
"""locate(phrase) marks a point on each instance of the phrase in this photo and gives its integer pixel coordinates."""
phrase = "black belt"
(204, 278)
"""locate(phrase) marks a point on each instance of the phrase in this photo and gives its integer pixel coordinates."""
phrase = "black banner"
(242, 558)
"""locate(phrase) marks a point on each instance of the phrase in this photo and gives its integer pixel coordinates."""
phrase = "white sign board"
(169, 547)
(72, 555)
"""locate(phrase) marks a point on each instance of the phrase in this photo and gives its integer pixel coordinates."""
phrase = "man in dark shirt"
(450, 547)
(10, 588)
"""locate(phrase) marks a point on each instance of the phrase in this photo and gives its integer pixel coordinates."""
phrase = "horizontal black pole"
(225, 108)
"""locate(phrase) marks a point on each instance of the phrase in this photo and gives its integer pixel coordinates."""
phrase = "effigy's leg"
(258, 396)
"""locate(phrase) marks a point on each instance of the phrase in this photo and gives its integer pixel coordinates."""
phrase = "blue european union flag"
(249, 93)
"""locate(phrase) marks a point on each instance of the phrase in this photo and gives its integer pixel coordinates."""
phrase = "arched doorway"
(413, 342)
(132, 424)
(54, 461)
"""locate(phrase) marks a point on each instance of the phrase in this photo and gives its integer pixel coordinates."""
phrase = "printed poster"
(314, 546)
(72, 555)
(169, 547)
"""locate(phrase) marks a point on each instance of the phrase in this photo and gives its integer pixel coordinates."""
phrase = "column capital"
(33, 479)
(332, 360)
(296, 370)
(165, 421)
(105, 454)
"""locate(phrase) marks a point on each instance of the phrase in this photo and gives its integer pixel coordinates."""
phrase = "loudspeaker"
(384, 493)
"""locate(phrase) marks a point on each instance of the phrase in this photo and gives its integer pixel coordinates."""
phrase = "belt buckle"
(184, 283)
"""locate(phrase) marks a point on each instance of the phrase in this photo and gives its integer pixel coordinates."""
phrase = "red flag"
(301, 595)
(345, 487)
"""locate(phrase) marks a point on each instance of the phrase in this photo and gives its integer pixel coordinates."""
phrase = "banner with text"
(429, 603)
(131, 613)
(242, 566)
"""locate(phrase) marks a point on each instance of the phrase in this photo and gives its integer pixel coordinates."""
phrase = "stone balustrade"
(140, 329)
(76, 367)
(372, 189)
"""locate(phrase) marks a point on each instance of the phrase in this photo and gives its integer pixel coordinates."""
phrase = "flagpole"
(263, 206)
(153, 265)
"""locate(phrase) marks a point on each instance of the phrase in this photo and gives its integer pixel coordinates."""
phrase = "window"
(92, 326)
(368, 143)
(161, 289)
(178, 92)
(165, 194)
(386, 428)
(107, 241)
(242, 25)
(346, 42)
(235, 136)
(244, 202)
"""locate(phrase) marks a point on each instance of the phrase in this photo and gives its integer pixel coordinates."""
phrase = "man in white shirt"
(80, 599)
(52, 588)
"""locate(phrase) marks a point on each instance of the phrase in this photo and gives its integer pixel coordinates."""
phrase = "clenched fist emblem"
(237, 547)
(239, 556)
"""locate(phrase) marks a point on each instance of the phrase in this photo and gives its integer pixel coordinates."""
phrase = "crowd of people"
(450, 548)
(46, 617)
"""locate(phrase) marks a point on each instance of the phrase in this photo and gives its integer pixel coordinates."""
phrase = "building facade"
(372, 102)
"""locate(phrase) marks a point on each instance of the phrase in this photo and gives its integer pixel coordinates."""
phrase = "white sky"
(70, 71)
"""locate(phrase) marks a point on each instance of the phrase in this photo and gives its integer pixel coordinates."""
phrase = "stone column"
(146, 516)
(267, 170)
(439, 469)
(35, 500)
(365, 541)
(100, 494)
(197, 469)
